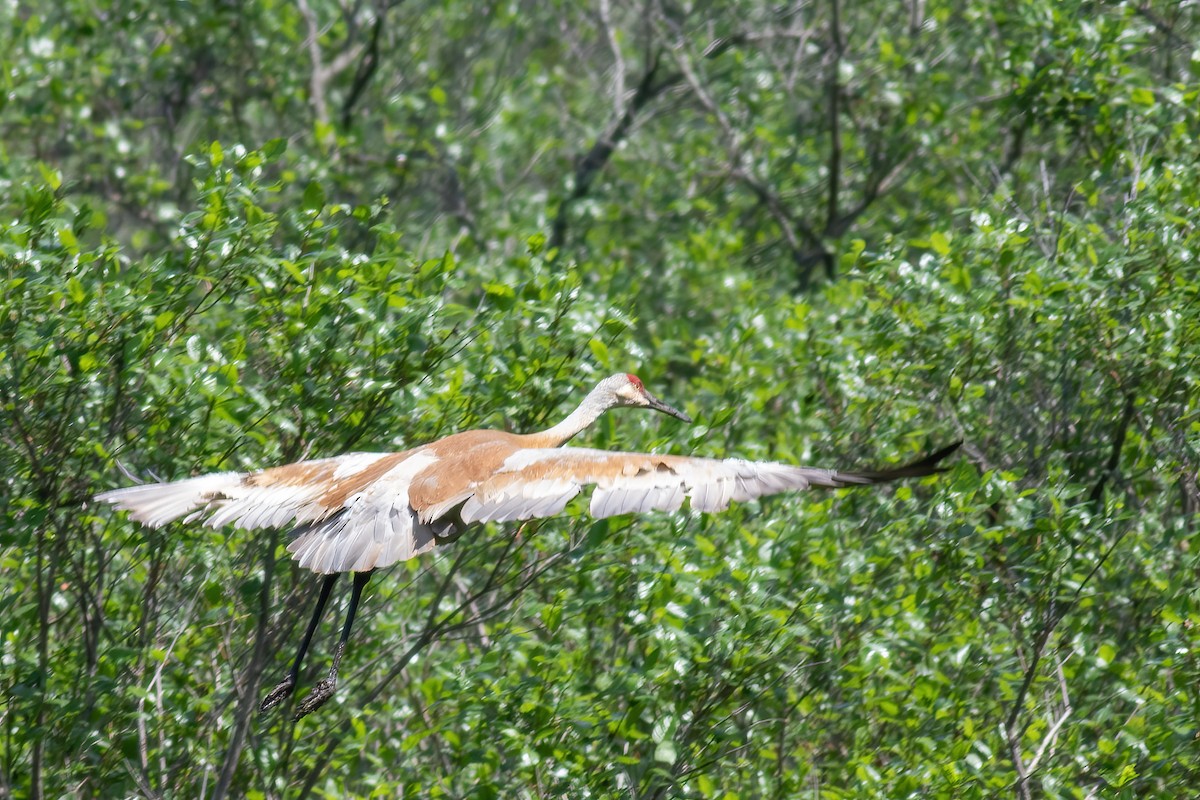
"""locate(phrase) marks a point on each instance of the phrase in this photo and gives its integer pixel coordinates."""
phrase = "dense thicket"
(234, 234)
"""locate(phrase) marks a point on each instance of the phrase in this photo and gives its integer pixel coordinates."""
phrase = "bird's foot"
(316, 698)
(277, 695)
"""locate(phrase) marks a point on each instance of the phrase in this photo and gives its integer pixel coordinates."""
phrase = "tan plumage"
(362, 511)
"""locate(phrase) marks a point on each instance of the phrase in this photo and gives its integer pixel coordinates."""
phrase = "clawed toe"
(316, 698)
(277, 695)
(322, 691)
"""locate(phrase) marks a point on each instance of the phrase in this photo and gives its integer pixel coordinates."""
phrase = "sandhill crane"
(360, 512)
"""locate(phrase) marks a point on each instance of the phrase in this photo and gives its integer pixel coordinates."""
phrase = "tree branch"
(1056, 726)
(366, 67)
(439, 624)
(1054, 616)
(834, 92)
(321, 73)
(610, 35)
(805, 255)
(587, 167)
(249, 701)
(1114, 457)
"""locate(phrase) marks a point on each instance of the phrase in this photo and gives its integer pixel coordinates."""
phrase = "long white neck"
(588, 412)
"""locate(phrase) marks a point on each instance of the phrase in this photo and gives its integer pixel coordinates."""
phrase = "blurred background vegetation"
(234, 234)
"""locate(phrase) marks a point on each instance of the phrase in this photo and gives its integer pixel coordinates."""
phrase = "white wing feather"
(374, 528)
(631, 483)
(156, 504)
(377, 527)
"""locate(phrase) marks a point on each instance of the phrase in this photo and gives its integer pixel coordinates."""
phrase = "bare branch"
(366, 69)
(1054, 615)
(248, 705)
(650, 87)
(1056, 726)
(319, 76)
(791, 228)
(1114, 456)
(874, 190)
(610, 34)
(834, 93)
(323, 73)
(589, 166)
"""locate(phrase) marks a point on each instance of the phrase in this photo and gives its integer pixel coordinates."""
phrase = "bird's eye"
(635, 380)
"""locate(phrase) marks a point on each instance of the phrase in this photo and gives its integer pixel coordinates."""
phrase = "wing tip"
(156, 504)
(932, 460)
(922, 467)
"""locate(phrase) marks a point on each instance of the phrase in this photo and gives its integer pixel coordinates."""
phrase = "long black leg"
(285, 687)
(325, 687)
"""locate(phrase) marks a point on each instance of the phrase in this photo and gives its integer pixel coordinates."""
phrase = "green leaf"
(599, 352)
(940, 242)
(1142, 97)
(67, 237)
(51, 176)
(314, 196)
(274, 148)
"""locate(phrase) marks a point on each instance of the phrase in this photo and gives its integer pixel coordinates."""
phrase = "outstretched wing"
(357, 512)
(352, 512)
(540, 482)
(301, 492)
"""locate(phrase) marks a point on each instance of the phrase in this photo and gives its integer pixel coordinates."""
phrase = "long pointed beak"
(659, 405)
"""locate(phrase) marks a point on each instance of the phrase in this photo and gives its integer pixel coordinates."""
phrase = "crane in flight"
(360, 512)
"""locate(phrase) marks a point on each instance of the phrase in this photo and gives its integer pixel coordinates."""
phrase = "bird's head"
(626, 389)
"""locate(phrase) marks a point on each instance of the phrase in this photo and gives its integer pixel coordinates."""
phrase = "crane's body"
(360, 512)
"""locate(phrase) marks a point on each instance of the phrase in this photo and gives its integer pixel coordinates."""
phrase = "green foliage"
(836, 234)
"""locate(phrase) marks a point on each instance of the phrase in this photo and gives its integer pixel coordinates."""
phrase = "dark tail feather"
(927, 465)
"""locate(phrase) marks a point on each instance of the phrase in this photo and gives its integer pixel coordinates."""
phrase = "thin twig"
(1052, 733)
